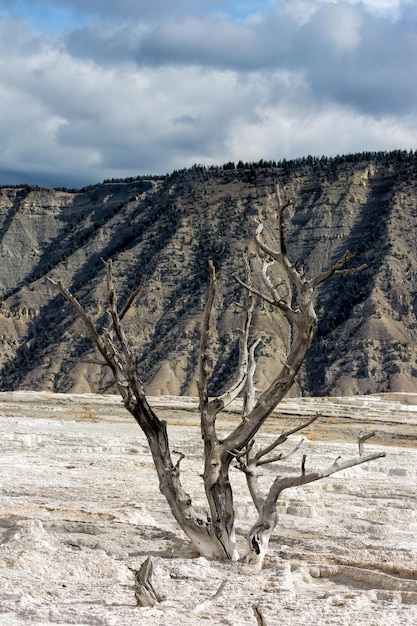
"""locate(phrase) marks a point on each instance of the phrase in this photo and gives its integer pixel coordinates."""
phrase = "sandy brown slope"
(167, 229)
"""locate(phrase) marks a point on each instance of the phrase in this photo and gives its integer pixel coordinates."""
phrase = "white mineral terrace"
(80, 511)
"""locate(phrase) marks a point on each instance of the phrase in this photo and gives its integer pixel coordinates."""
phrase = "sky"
(97, 89)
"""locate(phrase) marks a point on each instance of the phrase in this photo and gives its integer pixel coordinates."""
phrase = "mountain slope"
(166, 229)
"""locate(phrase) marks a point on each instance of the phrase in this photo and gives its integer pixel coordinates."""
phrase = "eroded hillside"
(166, 229)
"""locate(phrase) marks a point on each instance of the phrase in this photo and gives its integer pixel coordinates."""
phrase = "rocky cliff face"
(166, 229)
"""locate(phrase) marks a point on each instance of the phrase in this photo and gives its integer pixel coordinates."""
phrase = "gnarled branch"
(214, 537)
(337, 269)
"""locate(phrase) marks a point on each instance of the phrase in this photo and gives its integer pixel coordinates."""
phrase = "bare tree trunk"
(124, 367)
(220, 499)
(216, 464)
(199, 531)
(292, 296)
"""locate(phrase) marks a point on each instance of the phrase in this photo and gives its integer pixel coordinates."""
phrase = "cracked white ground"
(80, 511)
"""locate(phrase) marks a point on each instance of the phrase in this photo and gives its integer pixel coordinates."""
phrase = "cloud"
(119, 97)
(326, 130)
(214, 41)
(365, 63)
(346, 54)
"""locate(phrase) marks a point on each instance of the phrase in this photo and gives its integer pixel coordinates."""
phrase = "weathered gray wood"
(260, 620)
(200, 608)
(260, 533)
(291, 293)
(145, 593)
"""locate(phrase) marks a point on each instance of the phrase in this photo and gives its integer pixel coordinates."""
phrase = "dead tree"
(214, 536)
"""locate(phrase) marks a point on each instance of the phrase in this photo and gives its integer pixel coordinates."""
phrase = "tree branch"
(106, 348)
(116, 325)
(279, 304)
(362, 437)
(336, 269)
(283, 437)
(89, 361)
(260, 620)
(132, 298)
(281, 206)
(204, 606)
(208, 415)
(302, 479)
(250, 389)
(253, 290)
(246, 357)
(283, 455)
